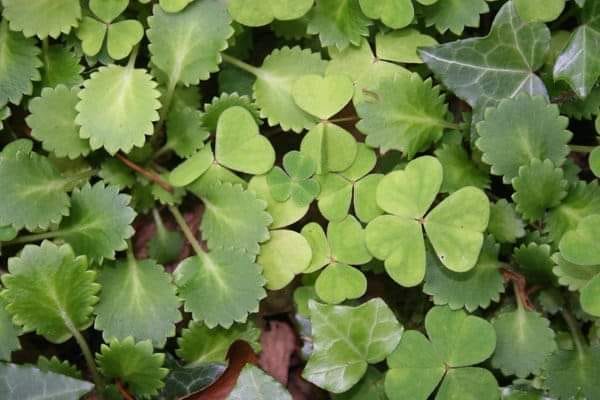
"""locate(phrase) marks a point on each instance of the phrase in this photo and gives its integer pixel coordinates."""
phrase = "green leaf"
(321, 252)
(173, 6)
(19, 382)
(339, 282)
(469, 383)
(173, 49)
(296, 182)
(404, 113)
(117, 108)
(9, 333)
(459, 169)
(260, 12)
(220, 287)
(323, 97)
(42, 17)
(393, 13)
(218, 105)
(402, 45)
(510, 126)
(542, 11)
(283, 213)
(578, 245)
(57, 366)
(234, 218)
(182, 382)
(19, 65)
(61, 66)
(99, 221)
(534, 262)
(524, 341)
(570, 373)
(254, 384)
(91, 32)
(52, 121)
(370, 387)
(138, 300)
(346, 340)
(338, 23)
(107, 11)
(454, 15)
(574, 276)
(122, 36)
(594, 161)
(185, 131)
(509, 55)
(589, 296)
(331, 147)
(50, 291)
(192, 168)
(134, 364)
(505, 225)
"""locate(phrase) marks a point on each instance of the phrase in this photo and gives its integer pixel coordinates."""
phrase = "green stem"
(520, 305)
(241, 65)
(35, 237)
(89, 358)
(187, 232)
(582, 149)
(133, 57)
(163, 150)
(45, 52)
(166, 106)
(160, 226)
(575, 332)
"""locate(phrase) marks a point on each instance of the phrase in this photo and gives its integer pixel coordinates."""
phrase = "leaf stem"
(123, 392)
(344, 119)
(241, 64)
(581, 149)
(133, 57)
(575, 332)
(166, 106)
(34, 237)
(89, 358)
(154, 177)
(187, 232)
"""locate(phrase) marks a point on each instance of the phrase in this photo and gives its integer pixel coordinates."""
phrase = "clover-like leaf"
(262, 12)
(369, 387)
(570, 373)
(285, 255)
(122, 37)
(254, 383)
(42, 17)
(459, 169)
(339, 282)
(134, 364)
(346, 340)
(218, 105)
(331, 147)
(540, 11)
(192, 168)
(117, 108)
(296, 182)
(283, 213)
(338, 23)
(578, 245)
(393, 13)
(402, 45)
(138, 300)
(454, 15)
(323, 97)
(50, 291)
(220, 287)
(9, 333)
(174, 6)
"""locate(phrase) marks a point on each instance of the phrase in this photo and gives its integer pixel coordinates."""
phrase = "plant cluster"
(416, 178)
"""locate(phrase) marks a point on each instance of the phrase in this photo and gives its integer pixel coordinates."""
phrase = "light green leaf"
(579, 245)
(594, 161)
(173, 6)
(9, 333)
(365, 194)
(323, 97)
(370, 387)
(339, 282)
(254, 384)
(569, 373)
(122, 36)
(459, 169)
(192, 168)
(335, 197)
(469, 384)
(262, 12)
(401, 46)
(283, 213)
(185, 131)
(108, 10)
(42, 17)
(331, 147)
(393, 13)
(574, 276)
(296, 182)
(338, 23)
(590, 295)
(540, 10)
(347, 241)
(454, 15)
(321, 253)
(218, 105)
(91, 32)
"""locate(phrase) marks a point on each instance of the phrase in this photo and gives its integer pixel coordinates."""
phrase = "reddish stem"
(520, 287)
(153, 176)
(123, 392)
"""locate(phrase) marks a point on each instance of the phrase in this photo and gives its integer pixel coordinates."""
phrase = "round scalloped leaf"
(590, 297)
(454, 15)
(54, 364)
(283, 213)
(138, 300)
(117, 108)
(404, 113)
(42, 17)
(99, 222)
(185, 131)
(220, 287)
(274, 82)
(510, 126)
(19, 66)
(33, 192)
(579, 245)
(524, 341)
(52, 121)
(338, 24)
(174, 43)
(134, 364)
(262, 12)
(254, 383)
(569, 373)
(340, 282)
(505, 225)
(395, 14)
(218, 105)
(9, 333)
(573, 276)
(321, 96)
(50, 291)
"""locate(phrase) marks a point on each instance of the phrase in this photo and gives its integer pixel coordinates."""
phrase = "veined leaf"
(254, 383)
(42, 17)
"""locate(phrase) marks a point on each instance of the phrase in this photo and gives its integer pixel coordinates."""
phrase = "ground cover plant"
(309, 199)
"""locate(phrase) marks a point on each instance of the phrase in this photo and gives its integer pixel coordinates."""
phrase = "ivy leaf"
(454, 15)
(254, 383)
(18, 382)
(134, 364)
(174, 52)
(323, 97)
(509, 55)
(182, 382)
(260, 12)
(296, 182)
(9, 333)
(405, 114)
(52, 121)
(285, 255)
(459, 169)
(569, 373)
(199, 345)
(510, 126)
(283, 213)
(524, 341)
(61, 66)
(50, 291)
(346, 340)
(117, 108)
(393, 13)
(138, 300)
(19, 65)
(338, 23)
(220, 287)
(42, 18)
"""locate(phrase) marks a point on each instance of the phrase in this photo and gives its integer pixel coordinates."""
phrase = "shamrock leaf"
(207, 283)
(338, 24)
(285, 255)
(346, 340)
(510, 126)
(262, 12)
(570, 373)
(331, 147)
(192, 168)
(138, 300)
(173, 6)
(402, 45)
(456, 341)
(240, 146)
(542, 11)
(322, 97)
(339, 282)
(578, 245)
(134, 364)
(253, 383)
(405, 114)
(50, 291)
(454, 15)
(117, 125)
(296, 181)
(393, 13)
(9, 333)
(509, 56)
(52, 121)
(283, 213)
(42, 17)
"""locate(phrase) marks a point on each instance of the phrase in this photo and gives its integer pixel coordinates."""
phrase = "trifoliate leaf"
(393, 13)
(509, 56)
(33, 194)
(524, 341)
(172, 45)
(199, 344)
(510, 126)
(185, 131)
(346, 340)
(274, 83)
(262, 12)
(192, 168)
(317, 239)
(138, 300)
(134, 364)
(283, 213)
(331, 147)
(52, 121)
(61, 66)
(108, 10)
(57, 366)
(239, 144)
(220, 287)
(401, 46)
(474, 383)
(91, 32)
(122, 37)
(174, 6)
(578, 245)
(42, 17)
(454, 15)
(535, 263)
(539, 186)
(459, 169)
(472, 289)
(9, 333)
(323, 97)
(370, 387)
(285, 255)
(254, 384)
(99, 221)
(339, 282)
(296, 182)
(18, 382)
(19, 65)
(50, 291)
(214, 175)
(218, 105)
(569, 373)
(338, 23)
(335, 198)
(542, 11)
(405, 114)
